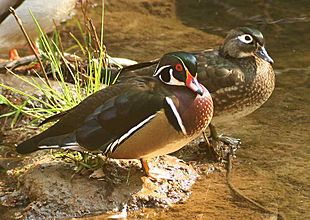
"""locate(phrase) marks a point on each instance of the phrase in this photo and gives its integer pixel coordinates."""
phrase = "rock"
(53, 190)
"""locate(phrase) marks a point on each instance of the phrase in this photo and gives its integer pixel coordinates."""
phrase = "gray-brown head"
(245, 42)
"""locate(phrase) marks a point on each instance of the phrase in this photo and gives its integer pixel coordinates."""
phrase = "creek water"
(272, 166)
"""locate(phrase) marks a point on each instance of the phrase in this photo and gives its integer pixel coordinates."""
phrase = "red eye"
(179, 67)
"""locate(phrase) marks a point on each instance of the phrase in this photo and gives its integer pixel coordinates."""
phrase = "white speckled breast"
(197, 114)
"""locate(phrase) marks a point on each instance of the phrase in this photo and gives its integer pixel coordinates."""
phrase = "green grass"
(81, 160)
(62, 95)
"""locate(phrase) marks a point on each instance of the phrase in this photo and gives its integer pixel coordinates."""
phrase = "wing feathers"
(112, 146)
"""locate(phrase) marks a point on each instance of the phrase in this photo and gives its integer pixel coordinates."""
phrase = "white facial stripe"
(176, 114)
(115, 143)
(160, 69)
(173, 80)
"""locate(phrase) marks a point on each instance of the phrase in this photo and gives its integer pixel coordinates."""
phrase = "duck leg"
(13, 55)
(145, 167)
(219, 145)
(225, 139)
(154, 175)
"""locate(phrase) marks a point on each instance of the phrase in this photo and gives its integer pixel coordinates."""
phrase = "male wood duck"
(140, 118)
(45, 11)
(239, 76)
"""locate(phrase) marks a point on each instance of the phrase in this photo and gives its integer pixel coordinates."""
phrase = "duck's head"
(245, 42)
(179, 69)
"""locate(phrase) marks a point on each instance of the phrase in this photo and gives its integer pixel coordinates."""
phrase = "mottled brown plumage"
(240, 84)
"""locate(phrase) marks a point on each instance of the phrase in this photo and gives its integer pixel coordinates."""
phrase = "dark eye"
(179, 67)
(165, 77)
(246, 38)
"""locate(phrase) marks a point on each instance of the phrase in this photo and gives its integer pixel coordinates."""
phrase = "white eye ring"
(246, 38)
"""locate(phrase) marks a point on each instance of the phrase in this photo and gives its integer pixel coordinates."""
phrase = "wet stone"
(51, 188)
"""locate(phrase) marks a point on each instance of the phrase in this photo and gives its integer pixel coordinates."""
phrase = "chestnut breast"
(196, 111)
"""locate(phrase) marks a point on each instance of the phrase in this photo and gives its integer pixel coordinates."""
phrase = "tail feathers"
(29, 146)
(66, 141)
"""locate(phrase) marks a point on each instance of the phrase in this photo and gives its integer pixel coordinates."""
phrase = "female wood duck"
(140, 118)
(45, 11)
(239, 76)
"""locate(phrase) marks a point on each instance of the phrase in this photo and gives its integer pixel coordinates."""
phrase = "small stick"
(19, 22)
(16, 63)
(237, 192)
(94, 34)
(5, 14)
(97, 42)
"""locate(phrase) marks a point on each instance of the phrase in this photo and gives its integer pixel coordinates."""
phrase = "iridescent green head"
(179, 69)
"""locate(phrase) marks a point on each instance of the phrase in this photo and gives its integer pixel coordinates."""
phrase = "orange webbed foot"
(13, 55)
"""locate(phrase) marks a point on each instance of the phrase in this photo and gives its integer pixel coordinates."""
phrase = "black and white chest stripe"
(176, 114)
